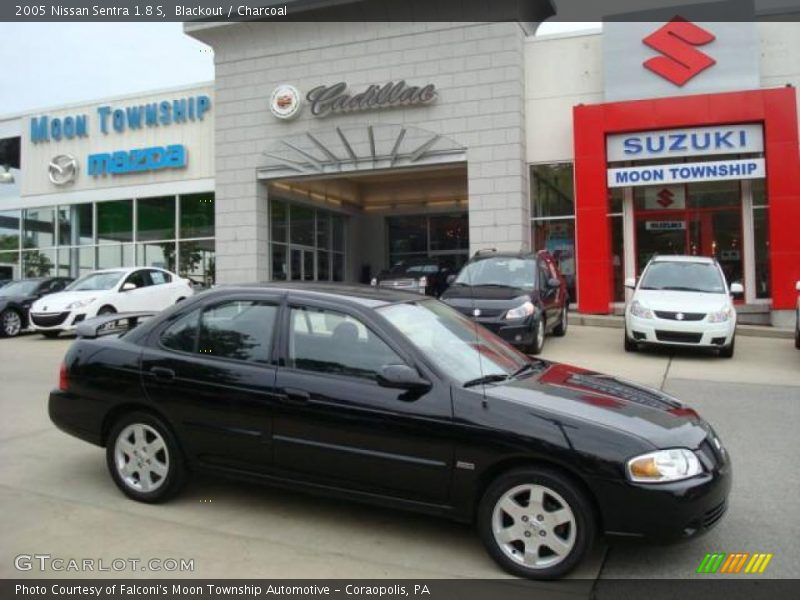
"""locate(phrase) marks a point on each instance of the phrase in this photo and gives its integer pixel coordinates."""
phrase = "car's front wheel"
(561, 328)
(10, 323)
(727, 351)
(536, 523)
(537, 345)
(630, 345)
(144, 458)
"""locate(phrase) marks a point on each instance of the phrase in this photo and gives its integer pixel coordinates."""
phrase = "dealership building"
(329, 151)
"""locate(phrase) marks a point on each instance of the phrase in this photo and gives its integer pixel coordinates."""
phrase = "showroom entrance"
(698, 219)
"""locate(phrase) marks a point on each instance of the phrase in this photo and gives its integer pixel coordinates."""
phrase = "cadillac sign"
(325, 100)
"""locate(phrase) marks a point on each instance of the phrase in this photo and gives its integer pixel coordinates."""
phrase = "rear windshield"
(683, 277)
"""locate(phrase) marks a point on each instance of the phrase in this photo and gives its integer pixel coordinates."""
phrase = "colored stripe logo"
(734, 563)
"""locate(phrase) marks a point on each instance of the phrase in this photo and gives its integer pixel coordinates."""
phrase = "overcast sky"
(50, 64)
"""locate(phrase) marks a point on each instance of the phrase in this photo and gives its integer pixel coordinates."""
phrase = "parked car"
(797, 318)
(682, 301)
(106, 292)
(4, 282)
(520, 296)
(16, 299)
(421, 275)
(395, 399)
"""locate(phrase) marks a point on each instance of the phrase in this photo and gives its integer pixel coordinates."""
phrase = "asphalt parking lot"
(59, 500)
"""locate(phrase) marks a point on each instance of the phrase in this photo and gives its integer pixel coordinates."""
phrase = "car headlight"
(525, 310)
(640, 310)
(80, 303)
(662, 466)
(374, 282)
(720, 316)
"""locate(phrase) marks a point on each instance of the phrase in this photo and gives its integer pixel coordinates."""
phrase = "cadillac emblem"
(285, 102)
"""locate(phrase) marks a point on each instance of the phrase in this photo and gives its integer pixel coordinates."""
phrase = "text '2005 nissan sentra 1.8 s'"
(396, 399)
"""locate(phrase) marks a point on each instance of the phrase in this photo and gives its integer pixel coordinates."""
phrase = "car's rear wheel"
(537, 345)
(10, 323)
(727, 351)
(144, 458)
(536, 523)
(630, 345)
(561, 328)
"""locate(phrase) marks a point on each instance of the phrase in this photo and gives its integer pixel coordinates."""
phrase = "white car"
(682, 301)
(106, 292)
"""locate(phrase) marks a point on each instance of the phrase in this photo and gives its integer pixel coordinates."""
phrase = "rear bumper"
(75, 416)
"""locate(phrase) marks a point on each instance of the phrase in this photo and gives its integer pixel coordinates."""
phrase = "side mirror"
(737, 289)
(451, 278)
(630, 282)
(401, 377)
(553, 282)
(128, 286)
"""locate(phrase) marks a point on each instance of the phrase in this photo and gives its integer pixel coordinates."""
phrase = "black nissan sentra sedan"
(396, 399)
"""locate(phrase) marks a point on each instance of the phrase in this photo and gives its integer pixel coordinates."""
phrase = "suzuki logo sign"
(665, 197)
(680, 60)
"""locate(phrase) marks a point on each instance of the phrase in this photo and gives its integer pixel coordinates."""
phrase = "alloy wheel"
(534, 526)
(141, 458)
(11, 323)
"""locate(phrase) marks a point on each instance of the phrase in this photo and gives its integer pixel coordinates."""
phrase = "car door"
(547, 293)
(211, 370)
(136, 299)
(161, 292)
(336, 426)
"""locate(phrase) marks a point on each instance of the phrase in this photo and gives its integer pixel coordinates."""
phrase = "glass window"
(39, 227)
(323, 266)
(302, 225)
(198, 261)
(161, 255)
(110, 257)
(9, 230)
(761, 242)
(713, 194)
(452, 342)
(449, 232)
(331, 342)
(408, 234)
(75, 225)
(615, 199)
(557, 236)
(159, 277)
(617, 258)
(39, 263)
(759, 192)
(182, 334)
(197, 215)
(552, 193)
(323, 229)
(241, 329)
(280, 271)
(279, 214)
(115, 222)
(8, 262)
(338, 266)
(155, 218)
(338, 224)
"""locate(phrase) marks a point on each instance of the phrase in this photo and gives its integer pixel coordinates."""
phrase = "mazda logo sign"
(63, 169)
(679, 316)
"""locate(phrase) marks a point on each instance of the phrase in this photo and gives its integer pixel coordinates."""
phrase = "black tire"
(585, 522)
(171, 456)
(11, 323)
(560, 330)
(50, 335)
(106, 310)
(630, 345)
(537, 345)
(727, 351)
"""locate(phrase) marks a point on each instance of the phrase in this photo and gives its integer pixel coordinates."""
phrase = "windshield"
(452, 342)
(19, 288)
(96, 281)
(413, 269)
(505, 271)
(683, 277)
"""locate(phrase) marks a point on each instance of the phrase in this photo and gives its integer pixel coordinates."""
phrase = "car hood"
(669, 300)
(6, 300)
(579, 394)
(60, 300)
(458, 295)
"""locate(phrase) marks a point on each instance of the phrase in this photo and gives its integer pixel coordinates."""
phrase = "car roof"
(683, 258)
(364, 295)
(507, 254)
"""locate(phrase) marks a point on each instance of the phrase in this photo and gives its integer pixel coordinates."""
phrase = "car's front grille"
(673, 316)
(49, 319)
(678, 336)
(398, 283)
(710, 517)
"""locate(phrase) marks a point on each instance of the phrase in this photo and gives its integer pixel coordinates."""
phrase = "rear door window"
(238, 329)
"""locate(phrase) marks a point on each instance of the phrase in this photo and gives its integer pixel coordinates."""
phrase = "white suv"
(682, 301)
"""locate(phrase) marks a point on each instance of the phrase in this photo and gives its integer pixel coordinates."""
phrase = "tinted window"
(241, 329)
(139, 278)
(182, 334)
(331, 342)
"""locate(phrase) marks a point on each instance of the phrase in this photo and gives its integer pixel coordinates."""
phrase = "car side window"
(239, 329)
(159, 277)
(328, 341)
(139, 278)
(544, 275)
(182, 334)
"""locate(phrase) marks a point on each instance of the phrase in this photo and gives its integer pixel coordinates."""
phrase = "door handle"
(163, 374)
(295, 396)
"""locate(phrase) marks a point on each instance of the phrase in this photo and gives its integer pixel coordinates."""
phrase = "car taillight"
(63, 378)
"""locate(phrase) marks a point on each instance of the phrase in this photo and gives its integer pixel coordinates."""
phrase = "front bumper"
(56, 321)
(680, 333)
(517, 332)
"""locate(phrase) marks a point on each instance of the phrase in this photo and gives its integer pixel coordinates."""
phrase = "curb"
(615, 322)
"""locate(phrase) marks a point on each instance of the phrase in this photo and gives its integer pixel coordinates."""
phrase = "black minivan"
(520, 296)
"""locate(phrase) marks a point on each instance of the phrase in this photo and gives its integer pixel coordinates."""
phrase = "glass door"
(301, 265)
